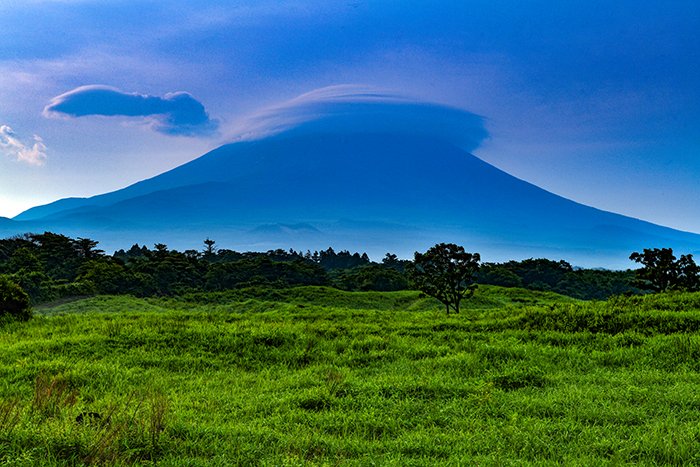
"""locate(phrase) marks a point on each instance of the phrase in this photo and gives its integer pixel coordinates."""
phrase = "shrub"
(36, 284)
(14, 302)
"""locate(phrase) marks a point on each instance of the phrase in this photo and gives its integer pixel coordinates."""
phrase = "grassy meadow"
(316, 376)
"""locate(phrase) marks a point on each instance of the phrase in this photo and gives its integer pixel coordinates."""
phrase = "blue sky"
(595, 101)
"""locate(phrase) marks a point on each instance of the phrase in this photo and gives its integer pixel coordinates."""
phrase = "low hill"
(486, 297)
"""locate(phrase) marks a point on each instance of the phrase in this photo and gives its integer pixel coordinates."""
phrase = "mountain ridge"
(431, 188)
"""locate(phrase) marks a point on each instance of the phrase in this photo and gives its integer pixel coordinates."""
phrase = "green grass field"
(318, 376)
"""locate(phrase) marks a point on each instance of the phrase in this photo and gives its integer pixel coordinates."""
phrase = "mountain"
(373, 191)
(8, 225)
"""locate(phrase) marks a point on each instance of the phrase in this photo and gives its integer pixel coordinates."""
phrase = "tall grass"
(317, 376)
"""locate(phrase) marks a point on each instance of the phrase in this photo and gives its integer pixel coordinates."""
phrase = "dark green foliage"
(536, 274)
(662, 272)
(38, 285)
(392, 261)
(108, 277)
(162, 271)
(9, 246)
(560, 277)
(370, 277)
(329, 259)
(133, 253)
(496, 274)
(14, 302)
(592, 284)
(86, 248)
(23, 260)
(209, 249)
(445, 272)
(48, 266)
(262, 270)
(58, 254)
(542, 271)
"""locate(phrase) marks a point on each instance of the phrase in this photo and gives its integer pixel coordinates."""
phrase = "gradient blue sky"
(595, 101)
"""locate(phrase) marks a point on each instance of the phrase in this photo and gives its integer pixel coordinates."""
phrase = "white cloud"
(364, 109)
(33, 153)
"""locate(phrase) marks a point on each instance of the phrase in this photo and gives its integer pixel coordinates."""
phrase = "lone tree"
(662, 272)
(445, 272)
(14, 302)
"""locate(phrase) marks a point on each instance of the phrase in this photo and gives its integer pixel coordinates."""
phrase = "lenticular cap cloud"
(352, 109)
(175, 113)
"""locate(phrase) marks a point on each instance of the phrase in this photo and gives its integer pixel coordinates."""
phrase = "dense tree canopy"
(447, 273)
(661, 271)
(14, 302)
(49, 266)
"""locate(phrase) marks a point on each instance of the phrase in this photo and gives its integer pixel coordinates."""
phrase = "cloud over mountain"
(176, 113)
(358, 109)
(11, 145)
(361, 169)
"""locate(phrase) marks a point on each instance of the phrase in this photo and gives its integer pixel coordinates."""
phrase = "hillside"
(318, 376)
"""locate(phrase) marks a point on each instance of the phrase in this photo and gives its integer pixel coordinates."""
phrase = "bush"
(36, 284)
(14, 302)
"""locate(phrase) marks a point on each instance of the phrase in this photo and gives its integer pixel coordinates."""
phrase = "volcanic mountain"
(366, 173)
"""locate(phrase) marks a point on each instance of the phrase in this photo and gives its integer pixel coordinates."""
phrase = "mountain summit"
(356, 170)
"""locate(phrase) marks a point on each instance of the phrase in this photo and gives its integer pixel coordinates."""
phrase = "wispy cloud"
(12, 146)
(176, 113)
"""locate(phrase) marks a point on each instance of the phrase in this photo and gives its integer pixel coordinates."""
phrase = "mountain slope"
(370, 191)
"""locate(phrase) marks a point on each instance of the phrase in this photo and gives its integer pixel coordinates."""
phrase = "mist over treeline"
(51, 266)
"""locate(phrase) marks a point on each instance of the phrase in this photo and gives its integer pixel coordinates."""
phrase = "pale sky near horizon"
(595, 101)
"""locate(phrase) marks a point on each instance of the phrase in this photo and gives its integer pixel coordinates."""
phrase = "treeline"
(51, 266)
(560, 277)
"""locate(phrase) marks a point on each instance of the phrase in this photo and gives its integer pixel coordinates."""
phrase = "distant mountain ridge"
(370, 191)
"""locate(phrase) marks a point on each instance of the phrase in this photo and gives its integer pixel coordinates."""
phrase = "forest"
(51, 266)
